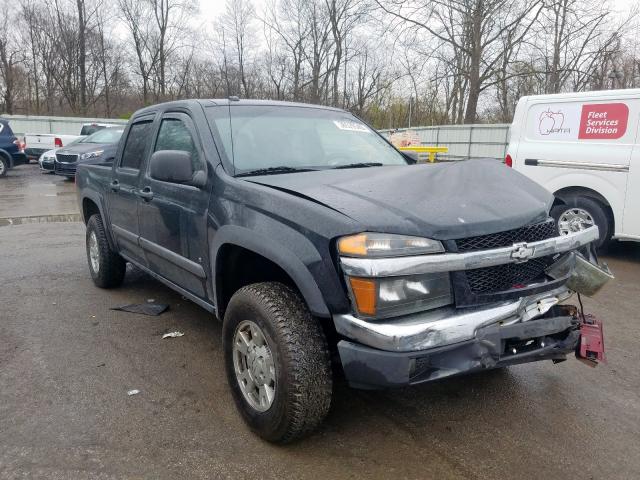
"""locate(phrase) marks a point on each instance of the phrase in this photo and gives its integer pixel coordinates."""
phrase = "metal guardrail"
(430, 151)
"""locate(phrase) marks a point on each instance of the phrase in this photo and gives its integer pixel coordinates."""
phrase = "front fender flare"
(278, 254)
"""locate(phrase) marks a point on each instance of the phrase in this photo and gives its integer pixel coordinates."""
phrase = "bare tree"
(237, 25)
(10, 60)
(576, 36)
(473, 29)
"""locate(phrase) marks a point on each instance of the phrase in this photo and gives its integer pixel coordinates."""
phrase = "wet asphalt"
(67, 362)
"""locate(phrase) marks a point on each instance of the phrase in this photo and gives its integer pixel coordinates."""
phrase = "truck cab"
(585, 149)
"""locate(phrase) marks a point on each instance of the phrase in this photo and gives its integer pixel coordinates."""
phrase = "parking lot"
(67, 362)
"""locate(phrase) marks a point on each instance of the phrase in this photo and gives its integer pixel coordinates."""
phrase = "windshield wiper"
(360, 165)
(273, 171)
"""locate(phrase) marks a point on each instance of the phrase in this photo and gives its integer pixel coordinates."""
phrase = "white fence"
(464, 141)
(21, 124)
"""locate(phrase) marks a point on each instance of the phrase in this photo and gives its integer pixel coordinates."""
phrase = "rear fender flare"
(98, 199)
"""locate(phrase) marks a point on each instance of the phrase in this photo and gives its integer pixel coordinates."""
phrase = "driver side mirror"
(175, 166)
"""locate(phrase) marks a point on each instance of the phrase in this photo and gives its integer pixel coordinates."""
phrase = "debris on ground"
(173, 335)
(133, 392)
(152, 309)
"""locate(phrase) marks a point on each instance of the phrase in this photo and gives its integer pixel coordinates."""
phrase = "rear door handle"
(115, 185)
(145, 193)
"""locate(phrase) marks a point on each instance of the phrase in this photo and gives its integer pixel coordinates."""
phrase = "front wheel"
(579, 213)
(106, 266)
(277, 362)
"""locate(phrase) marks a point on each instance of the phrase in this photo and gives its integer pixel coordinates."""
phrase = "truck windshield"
(107, 135)
(282, 139)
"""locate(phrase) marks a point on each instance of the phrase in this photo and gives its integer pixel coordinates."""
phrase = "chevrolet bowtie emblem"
(522, 252)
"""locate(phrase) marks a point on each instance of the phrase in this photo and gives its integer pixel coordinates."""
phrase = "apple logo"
(550, 121)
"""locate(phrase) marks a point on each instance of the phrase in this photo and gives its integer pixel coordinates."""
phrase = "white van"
(584, 148)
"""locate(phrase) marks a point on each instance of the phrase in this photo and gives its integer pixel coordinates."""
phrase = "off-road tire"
(301, 357)
(4, 168)
(594, 208)
(112, 267)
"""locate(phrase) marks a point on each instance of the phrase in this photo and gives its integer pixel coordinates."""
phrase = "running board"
(197, 300)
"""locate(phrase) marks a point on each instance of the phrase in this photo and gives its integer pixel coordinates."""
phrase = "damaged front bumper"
(449, 341)
(445, 342)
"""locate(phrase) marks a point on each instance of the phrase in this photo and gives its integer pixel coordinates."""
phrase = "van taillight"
(508, 161)
(57, 142)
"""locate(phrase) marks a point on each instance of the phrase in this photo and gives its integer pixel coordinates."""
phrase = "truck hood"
(442, 201)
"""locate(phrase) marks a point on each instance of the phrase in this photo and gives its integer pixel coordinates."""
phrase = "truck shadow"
(622, 251)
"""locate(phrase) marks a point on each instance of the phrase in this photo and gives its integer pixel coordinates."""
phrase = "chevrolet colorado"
(322, 247)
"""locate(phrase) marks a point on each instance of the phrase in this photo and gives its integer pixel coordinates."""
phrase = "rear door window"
(90, 129)
(136, 145)
(5, 130)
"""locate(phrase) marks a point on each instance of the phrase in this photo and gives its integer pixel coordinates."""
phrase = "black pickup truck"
(324, 249)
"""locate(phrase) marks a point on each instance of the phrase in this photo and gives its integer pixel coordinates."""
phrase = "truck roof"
(226, 101)
(629, 92)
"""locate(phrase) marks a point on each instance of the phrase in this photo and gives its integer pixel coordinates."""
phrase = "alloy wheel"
(254, 366)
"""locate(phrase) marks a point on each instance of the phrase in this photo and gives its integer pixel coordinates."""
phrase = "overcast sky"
(210, 9)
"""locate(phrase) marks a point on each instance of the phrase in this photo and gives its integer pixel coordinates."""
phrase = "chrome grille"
(501, 278)
(507, 277)
(528, 233)
(66, 157)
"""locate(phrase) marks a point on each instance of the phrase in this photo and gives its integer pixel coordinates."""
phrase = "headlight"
(88, 155)
(383, 297)
(386, 245)
(394, 296)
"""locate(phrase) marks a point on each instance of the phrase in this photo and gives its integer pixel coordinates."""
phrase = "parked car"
(91, 128)
(585, 149)
(97, 148)
(314, 240)
(11, 149)
(36, 144)
(48, 158)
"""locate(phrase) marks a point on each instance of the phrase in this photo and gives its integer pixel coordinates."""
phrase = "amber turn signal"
(365, 294)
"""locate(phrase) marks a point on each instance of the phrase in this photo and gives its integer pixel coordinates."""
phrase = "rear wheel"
(4, 166)
(277, 362)
(579, 213)
(106, 266)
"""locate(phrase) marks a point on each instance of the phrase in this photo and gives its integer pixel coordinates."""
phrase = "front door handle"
(146, 193)
(115, 186)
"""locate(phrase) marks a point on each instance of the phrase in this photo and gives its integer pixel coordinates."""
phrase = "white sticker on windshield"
(351, 126)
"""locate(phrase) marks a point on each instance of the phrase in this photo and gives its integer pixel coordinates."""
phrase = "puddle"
(65, 218)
